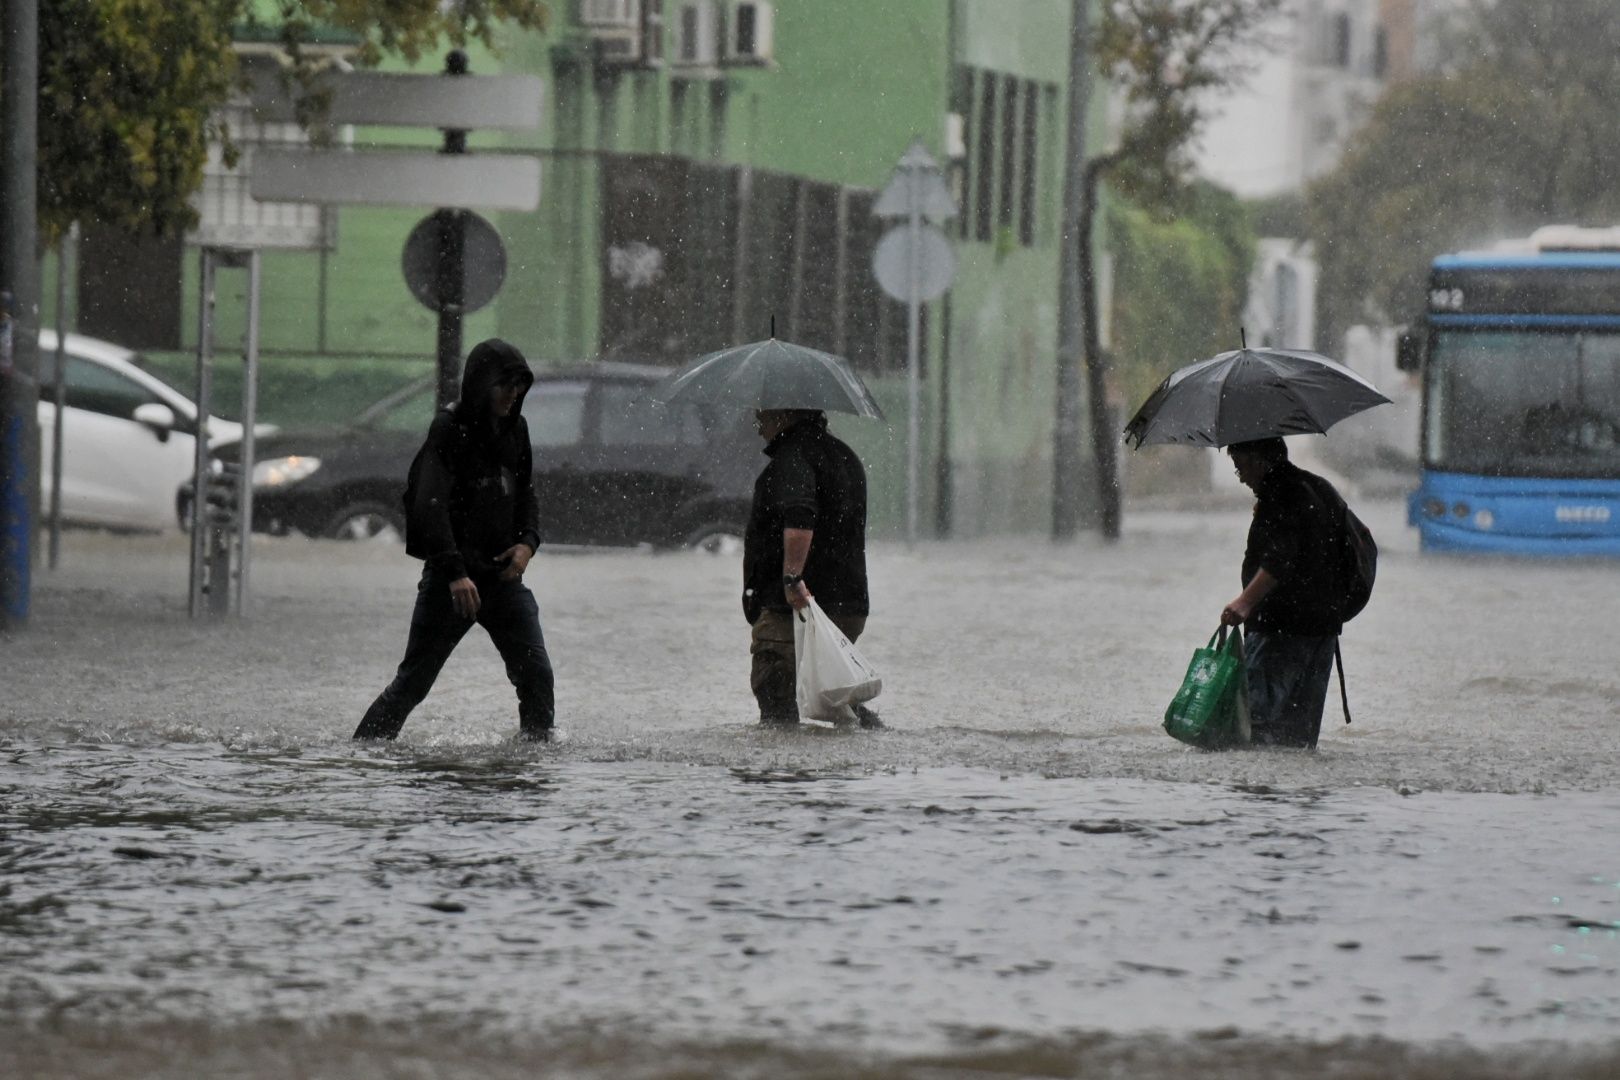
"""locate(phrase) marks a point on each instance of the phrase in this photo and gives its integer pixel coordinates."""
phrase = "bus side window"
(1409, 350)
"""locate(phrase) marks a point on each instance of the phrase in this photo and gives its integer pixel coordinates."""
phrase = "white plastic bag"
(832, 673)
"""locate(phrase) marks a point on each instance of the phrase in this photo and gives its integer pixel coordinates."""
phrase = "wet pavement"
(1022, 865)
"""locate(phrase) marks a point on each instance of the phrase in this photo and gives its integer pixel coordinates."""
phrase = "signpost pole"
(200, 511)
(452, 262)
(913, 354)
(250, 419)
(58, 401)
(913, 264)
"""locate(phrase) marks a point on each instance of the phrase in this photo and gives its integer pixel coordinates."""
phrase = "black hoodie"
(470, 494)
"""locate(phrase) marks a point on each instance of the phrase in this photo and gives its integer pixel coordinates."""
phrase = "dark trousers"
(1288, 685)
(508, 612)
(774, 674)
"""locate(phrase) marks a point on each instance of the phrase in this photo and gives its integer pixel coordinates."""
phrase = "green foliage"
(1180, 284)
(128, 87)
(1516, 131)
(125, 88)
(1168, 59)
(407, 28)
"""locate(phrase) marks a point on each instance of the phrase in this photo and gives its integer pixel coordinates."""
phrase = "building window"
(984, 167)
(1028, 167)
(1380, 57)
(1009, 152)
(1340, 41)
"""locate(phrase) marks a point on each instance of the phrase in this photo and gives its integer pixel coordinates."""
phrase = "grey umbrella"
(1250, 394)
(771, 375)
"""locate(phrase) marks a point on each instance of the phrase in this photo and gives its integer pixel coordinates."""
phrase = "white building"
(1321, 65)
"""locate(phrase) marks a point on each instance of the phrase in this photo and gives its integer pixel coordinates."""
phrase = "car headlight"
(281, 471)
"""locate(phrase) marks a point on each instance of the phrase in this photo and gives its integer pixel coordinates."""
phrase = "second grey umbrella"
(771, 374)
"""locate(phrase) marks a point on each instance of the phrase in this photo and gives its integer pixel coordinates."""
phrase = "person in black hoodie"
(471, 516)
(1289, 574)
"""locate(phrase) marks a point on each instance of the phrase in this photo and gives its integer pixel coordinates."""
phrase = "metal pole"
(913, 361)
(205, 356)
(250, 419)
(1066, 478)
(59, 401)
(451, 282)
(19, 305)
(452, 262)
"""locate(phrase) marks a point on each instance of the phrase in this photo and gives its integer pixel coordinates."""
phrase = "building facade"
(708, 171)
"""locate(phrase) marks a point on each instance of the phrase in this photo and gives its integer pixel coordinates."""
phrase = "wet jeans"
(1288, 684)
(774, 676)
(508, 612)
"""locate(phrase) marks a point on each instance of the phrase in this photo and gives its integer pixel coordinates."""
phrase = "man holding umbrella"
(1293, 567)
(807, 527)
(1290, 569)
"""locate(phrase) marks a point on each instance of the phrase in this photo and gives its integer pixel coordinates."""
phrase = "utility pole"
(19, 296)
(1066, 462)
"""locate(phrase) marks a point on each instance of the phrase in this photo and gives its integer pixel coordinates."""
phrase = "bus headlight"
(1434, 508)
(281, 471)
(1460, 509)
(1484, 519)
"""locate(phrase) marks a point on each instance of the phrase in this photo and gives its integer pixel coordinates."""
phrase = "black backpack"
(1353, 580)
(1358, 567)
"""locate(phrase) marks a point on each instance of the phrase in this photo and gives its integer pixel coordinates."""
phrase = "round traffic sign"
(483, 259)
(935, 262)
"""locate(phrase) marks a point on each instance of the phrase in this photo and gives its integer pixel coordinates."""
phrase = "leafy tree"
(1165, 58)
(1180, 283)
(1515, 130)
(128, 88)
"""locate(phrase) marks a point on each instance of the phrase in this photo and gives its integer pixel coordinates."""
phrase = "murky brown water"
(199, 875)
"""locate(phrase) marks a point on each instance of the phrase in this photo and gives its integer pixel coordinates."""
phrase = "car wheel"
(366, 521)
(716, 538)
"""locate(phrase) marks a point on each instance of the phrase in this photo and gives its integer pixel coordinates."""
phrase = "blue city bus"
(1520, 359)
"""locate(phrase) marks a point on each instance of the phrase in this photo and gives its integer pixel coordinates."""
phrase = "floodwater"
(1023, 876)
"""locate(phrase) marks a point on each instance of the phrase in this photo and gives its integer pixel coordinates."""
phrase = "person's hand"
(516, 559)
(1238, 611)
(464, 597)
(798, 597)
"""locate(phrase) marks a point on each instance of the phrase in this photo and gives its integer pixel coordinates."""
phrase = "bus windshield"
(1521, 403)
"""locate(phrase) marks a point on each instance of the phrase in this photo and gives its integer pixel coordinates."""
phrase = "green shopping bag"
(1211, 710)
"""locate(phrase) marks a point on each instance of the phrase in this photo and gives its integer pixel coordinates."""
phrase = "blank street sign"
(467, 102)
(491, 181)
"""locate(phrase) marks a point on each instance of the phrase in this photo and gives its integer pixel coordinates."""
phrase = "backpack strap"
(1344, 697)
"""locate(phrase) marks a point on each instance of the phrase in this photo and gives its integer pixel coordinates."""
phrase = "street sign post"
(913, 263)
(483, 259)
(435, 263)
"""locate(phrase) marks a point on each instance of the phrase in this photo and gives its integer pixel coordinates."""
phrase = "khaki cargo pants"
(774, 670)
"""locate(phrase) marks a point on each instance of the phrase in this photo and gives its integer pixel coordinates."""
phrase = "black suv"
(611, 466)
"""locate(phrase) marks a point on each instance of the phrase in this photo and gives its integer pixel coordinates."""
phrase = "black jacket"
(1295, 538)
(470, 493)
(813, 481)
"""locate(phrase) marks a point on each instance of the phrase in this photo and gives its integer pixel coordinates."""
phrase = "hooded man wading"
(471, 515)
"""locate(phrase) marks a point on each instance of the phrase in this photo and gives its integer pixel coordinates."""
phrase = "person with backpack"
(472, 517)
(1306, 569)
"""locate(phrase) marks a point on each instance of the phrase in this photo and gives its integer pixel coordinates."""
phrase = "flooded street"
(1022, 876)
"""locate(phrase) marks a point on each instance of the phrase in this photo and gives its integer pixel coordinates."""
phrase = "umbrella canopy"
(771, 375)
(1250, 394)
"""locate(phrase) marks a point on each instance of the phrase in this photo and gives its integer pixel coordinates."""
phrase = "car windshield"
(1524, 404)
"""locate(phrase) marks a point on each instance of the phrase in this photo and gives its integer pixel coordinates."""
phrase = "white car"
(128, 437)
